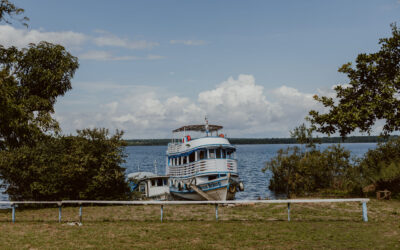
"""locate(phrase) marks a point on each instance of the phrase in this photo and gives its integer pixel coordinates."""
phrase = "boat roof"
(201, 128)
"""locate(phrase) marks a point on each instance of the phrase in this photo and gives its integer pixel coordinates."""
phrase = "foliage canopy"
(31, 79)
(372, 93)
(9, 10)
(36, 162)
(86, 166)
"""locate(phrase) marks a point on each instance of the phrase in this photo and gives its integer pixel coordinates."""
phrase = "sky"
(148, 67)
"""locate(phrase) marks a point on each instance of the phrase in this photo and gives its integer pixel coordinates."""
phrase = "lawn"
(333, 225)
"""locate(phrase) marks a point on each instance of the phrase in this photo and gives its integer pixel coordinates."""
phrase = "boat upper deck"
(203, 142)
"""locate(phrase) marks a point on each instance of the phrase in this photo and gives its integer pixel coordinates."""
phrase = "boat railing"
(174, 147)
(202, 166)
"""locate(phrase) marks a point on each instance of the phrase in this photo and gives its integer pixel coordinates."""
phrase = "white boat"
(204, 168)
(149, 185)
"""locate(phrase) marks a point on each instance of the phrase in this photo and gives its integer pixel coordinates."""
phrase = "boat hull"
(216, 190)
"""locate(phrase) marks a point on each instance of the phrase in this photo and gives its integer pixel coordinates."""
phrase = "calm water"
(251, 159)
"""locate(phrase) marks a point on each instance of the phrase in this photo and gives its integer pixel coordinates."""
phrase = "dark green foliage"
(304, 135)
(86, 166)
(9, 10)
(350, 139)
(31, 79)
(372, 94)
(301, 172)
(36, 163)
(381, 166)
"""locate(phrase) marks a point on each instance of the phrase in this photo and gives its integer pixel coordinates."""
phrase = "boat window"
(202, 154)
(229, 154)
(142, 187)
(223, 153)
(184, 159)
(153, 183)
(212, 177)
(218, 153)
(159, 182)
(191, 157)
(212, 153)
(165, 182)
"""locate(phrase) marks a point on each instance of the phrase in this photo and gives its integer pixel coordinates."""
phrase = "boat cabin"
(150, 186)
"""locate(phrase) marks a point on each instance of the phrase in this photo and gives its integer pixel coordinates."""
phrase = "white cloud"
(108, 39)
(10, 36)
(239, 104)
(100, 55)
(188, 42)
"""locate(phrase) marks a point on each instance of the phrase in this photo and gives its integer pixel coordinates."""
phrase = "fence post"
(365, 212)
(162, 210)
(59, 212)
(216, 212)
(80, 212)
(288, 211)
(13, 212)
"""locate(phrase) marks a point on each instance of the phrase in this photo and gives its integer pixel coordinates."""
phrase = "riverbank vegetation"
(37, 162)
(371, 95)
(332, 226)
(86, 166)
(238, 141)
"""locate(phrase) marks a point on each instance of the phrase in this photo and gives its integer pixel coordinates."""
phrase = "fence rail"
(13, 204)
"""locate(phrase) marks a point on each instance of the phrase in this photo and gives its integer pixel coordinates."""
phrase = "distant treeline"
(350, 139)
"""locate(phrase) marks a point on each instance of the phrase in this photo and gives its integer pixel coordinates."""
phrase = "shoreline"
(262, 141)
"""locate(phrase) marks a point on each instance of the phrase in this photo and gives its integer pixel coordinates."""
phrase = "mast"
(206, 125)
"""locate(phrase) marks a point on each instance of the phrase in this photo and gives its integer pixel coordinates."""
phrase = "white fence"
(13, 204)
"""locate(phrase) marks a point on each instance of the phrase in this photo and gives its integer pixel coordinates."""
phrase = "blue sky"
(252, 66)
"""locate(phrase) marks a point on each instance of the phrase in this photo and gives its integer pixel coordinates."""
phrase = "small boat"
(149, 185)
(204, 168)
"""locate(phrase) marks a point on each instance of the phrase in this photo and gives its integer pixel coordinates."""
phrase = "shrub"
(86, 166)
(302, 172)
(381, 166)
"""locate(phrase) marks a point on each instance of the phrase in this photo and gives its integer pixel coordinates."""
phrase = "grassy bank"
(337, 225)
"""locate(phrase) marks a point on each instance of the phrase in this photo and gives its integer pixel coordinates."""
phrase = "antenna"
(206, 125)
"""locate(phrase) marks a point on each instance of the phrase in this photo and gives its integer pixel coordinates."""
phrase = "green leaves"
(87, 166)
(9, 10)
(31, 79)
(381, 166)
(372, 93)
(301, 173)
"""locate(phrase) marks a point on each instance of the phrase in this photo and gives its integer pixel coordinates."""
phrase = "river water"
(251, 159)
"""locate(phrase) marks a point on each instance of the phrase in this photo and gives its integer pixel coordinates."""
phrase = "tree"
(304, 135)
(9, 10)
(86, 166)
(36, 161)
(31, 79)
(381, 167)
(372, 93)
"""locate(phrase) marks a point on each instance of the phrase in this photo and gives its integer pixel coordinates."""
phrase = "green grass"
(334, 225)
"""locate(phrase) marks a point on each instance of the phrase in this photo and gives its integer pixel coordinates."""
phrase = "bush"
(303, 172)
(381, 166)
(86, 166)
